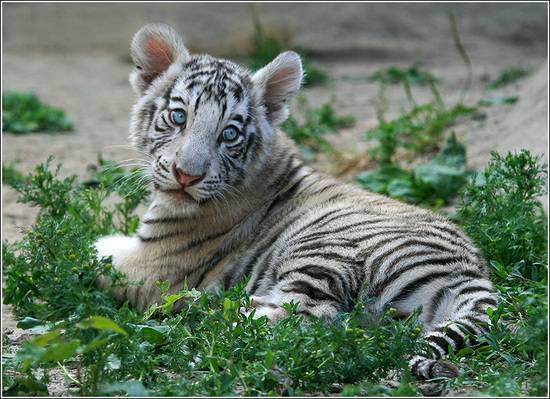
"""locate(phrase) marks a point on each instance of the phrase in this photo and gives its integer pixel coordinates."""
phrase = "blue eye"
(178, 117)
(230, 133)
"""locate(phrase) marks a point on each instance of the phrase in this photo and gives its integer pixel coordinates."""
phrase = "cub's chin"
(177, 201)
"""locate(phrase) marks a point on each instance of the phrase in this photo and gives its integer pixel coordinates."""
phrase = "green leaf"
(24, 113)
(445, 180)
(95, 343)
(154, 334)
(44, 339)
(377, 180)
(404, 189)
(60, 351)
(102, 323)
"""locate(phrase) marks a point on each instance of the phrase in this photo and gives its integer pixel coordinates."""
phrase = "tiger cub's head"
(205, 123)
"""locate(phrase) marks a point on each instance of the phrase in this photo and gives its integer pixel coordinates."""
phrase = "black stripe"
(179, 99)
(320, 219)
(325, 188)
(304, 312)
(261, 249)
(198, 242)
(287, 194)
(439, 341)
(434, 304)
(197, 100)
(209, 264)
(412, 242)
(475, 288)
(347, 227)
(331, 255)
(406, 256)
(237, 117)
(478, 322)
(318, 273)
(159, 143)
(470, 330)
(201, 73)
(163, 167)
(160, 129)
(484, 301)
(414, 366)
(431, 369)
(454, 335)
(151, 115)
(414, 285)
(308, 289)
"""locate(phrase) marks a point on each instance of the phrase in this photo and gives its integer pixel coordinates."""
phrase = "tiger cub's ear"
(276, 83)
(154, 48)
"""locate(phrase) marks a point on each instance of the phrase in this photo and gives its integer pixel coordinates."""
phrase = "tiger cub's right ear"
(154, 48)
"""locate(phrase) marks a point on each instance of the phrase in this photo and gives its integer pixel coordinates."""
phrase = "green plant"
(317, 122)
(502, 212)
(433, 183)
(504, 201)
(413, 75)
(24, 113)
(11, 176)
(418, 131)
(506, 77)
(407, 77)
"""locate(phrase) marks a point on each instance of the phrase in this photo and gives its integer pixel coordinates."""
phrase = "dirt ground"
(75, 57)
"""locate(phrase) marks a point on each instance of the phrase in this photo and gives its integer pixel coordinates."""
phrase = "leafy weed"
(24, 113)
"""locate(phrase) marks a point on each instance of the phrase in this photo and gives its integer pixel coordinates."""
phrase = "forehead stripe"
(178, 99)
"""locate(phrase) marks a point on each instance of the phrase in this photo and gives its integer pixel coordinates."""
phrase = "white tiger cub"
(231, 198)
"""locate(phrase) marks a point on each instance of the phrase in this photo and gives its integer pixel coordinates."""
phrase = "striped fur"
(258, 211)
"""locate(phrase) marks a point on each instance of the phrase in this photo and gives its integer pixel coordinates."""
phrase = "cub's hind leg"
(454, 300)
(456, 317)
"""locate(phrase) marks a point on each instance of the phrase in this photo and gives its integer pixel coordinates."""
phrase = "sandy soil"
(75, 57)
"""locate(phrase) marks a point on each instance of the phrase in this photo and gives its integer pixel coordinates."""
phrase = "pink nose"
(185, 179)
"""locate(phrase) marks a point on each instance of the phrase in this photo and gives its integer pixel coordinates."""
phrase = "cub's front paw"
(119, 248)
(262, 307)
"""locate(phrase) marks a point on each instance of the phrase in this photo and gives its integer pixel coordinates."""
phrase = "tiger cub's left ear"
(154, 48)
(276, 83)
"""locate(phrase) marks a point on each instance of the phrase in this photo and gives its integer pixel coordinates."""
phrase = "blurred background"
(367, 63)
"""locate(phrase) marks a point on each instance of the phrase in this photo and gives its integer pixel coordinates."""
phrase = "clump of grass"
(413, 75)
(316, 123)
(418, 131)
(501, 211)
(433, 183)
(504, 201)
(25, 113)
(267, 47)
(506, 77)
(10, 175)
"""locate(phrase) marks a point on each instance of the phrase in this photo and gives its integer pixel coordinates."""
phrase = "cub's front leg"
(128, 257)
